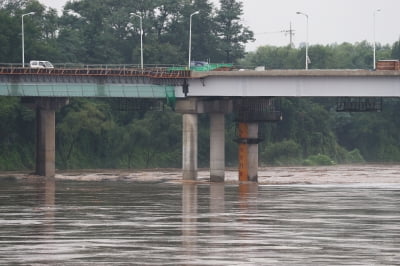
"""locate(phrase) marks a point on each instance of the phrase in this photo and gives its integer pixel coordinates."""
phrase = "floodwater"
(294, 216)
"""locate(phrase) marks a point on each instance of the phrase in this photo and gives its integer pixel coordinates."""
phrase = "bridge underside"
(86, 86)
(86, 90)
(121, 82)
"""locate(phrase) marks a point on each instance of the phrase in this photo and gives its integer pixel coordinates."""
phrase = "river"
(343, 215)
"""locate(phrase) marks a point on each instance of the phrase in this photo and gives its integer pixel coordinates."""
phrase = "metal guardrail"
(149, 67)
(158, 72)
(100, 66)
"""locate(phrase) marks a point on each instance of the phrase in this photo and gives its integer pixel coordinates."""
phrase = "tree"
(153, 141)
(274, 58)
(9, 41)
(81, 125)
(12, 5)
(321, 56)
(203, 39)
(396, 50)
(233, 35)
(92, 21)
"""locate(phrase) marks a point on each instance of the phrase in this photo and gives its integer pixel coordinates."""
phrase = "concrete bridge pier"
(45, 132)
(217, 108)
(253, 153)
(190, 108)
(217, 147)
(45, 142)
(248, 152)
(190, 146)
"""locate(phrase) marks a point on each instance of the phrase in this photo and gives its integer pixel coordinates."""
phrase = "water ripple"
(67, 222)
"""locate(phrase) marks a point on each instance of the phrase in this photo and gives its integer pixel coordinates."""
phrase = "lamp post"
(141, 38)
(374, 44)
(23, 37)
(307, 58)
(190, 36)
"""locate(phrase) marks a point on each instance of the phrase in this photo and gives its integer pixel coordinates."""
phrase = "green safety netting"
(87, 90)
(203, 68)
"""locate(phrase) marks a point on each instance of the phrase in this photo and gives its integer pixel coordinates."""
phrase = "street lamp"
(307, 58)
(141, 37)
(23, 38)
(374, 44)
(190, 35)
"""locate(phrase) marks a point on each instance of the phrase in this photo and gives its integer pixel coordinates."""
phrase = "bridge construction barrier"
(157, 73)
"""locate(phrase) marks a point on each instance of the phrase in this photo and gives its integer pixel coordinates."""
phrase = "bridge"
(249, 94)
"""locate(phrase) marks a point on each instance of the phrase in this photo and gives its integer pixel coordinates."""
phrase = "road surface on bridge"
(295, 83)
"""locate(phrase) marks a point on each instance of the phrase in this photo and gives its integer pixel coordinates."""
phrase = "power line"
(290, 32)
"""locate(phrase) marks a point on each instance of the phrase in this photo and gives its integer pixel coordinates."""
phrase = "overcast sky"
(330, 21)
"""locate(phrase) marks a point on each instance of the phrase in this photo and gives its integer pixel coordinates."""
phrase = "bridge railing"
(68, 69)
(115, 66)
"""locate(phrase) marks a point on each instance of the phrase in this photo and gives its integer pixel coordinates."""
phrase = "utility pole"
(291, 33)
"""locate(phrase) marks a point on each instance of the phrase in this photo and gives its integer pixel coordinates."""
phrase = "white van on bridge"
(40, 64)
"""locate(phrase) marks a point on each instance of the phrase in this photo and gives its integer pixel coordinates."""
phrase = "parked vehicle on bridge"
(198, 63)
(40, 64)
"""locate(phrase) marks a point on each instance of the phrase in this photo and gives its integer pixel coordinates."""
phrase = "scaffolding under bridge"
(357, 104)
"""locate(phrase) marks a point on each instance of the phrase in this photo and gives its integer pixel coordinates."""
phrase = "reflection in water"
(189, 218)
(218, 217)
(217, 204)
(46, 189)
(99, 223)
(248, 193)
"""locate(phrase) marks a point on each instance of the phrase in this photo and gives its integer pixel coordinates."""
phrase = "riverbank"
(338, 174)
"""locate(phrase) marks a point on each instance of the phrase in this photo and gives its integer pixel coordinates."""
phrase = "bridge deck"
(295, 83)
(167, 82)
(298, 73)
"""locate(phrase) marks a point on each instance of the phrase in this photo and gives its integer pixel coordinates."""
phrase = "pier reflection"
(217, 208)
(248, 194)
(46, 195)
(189, 218)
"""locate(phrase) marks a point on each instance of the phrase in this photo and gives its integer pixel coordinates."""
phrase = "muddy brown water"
(342, 215)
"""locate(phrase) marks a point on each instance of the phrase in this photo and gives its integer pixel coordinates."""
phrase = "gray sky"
(330, 21)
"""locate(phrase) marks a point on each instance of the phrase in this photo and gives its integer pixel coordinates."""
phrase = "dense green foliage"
(94, 133)
(335, 56)
(102, 31)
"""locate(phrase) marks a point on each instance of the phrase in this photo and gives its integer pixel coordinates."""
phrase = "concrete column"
(45, 141)
(190, 146)
(253, 153)
(217, 147)
(45, 108)
(248, 152)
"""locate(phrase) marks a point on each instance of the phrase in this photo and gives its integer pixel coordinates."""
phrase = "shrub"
(354, 156)
(319, 159)
(287, 152)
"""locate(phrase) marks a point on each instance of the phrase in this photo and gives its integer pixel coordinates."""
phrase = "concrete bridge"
(249, 94)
